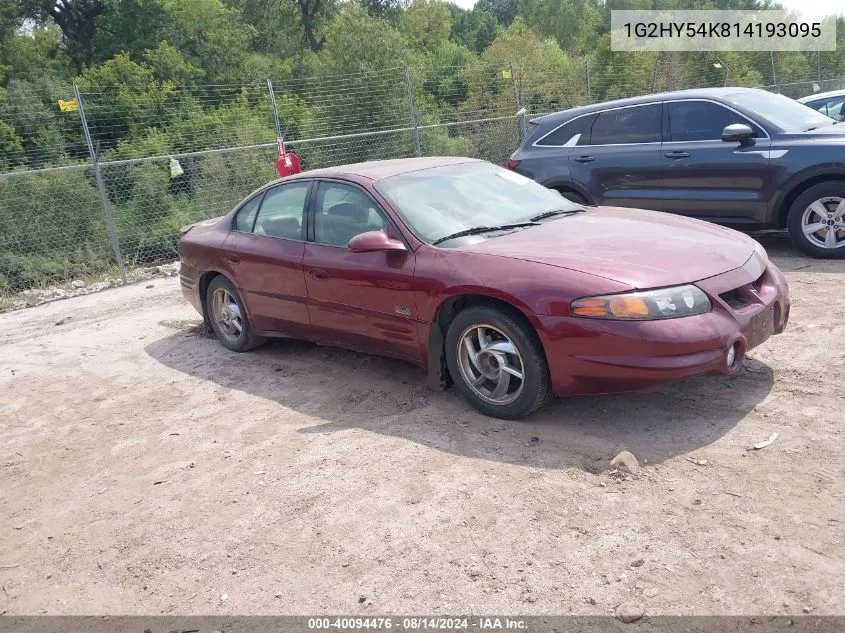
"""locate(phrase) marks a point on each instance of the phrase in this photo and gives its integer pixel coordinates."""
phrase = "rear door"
(621, 164)
(265, 250)
(707, 178)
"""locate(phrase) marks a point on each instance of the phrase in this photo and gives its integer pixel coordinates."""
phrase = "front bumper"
(591, 356)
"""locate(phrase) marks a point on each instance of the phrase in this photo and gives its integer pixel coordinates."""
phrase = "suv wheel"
(497, 362)
(816, 220)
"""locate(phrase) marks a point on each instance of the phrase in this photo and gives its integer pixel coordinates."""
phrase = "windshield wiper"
(553, 212)
(476, 230)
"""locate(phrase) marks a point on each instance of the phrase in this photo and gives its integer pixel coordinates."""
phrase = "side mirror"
(738, 133)
(375, 241)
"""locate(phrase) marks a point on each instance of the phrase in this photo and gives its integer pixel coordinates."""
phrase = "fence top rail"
(45, 170)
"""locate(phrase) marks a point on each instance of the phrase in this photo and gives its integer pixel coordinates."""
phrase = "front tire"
(497, 362)
(816, 220)
(228, 318)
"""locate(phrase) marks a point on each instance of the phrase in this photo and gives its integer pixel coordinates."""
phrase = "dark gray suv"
(741, 157)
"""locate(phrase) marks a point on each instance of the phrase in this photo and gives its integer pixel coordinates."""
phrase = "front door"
(265, 251)
(621, 165)
(710, 179)
(360, 300)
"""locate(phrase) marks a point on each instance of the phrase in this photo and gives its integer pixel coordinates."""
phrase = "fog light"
(731, 356)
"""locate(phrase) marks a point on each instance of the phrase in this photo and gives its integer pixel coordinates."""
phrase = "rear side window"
(830, 107)
(567, 133)
(639, 124)
(282, 211)
(245, 219)
(702, 121)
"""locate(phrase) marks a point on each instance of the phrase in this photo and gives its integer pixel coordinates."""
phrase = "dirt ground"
(147, 470)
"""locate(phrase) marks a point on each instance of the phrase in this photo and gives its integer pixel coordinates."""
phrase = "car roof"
(379, 169)
(822, 95)
(692, 93)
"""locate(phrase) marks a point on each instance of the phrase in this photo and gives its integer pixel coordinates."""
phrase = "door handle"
(233, 260)
(317, 273)
(677, 154)
(585, 159)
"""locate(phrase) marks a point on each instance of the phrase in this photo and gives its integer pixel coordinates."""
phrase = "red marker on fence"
(287, 163)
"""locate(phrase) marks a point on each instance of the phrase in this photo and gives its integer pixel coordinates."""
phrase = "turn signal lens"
(665, 303)
(628, 307)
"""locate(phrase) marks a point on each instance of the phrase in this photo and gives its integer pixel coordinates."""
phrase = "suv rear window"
(637, 124)
(566, 132)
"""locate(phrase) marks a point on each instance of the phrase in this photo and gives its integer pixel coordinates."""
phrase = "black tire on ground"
(535, 388)
(237, 342)
(820, 192)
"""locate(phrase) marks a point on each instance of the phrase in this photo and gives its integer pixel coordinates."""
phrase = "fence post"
(587, 73)
(417, 146)
(774, 75)
(276, 121)
(520, 111)
(101, 187)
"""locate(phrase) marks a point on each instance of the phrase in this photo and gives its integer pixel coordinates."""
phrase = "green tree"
(11, 148)
(427, 25)
(475, 29)
(505, 11)
(78, 21)
(122, 97)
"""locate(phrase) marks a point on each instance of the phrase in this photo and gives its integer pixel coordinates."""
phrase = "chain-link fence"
(101, 184)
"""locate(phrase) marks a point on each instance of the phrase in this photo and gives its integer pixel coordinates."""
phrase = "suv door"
(708, 178)
(621, 164)
(360, 300)
(264, 250)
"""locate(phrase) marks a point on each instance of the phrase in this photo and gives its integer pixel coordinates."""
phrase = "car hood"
(643, 249)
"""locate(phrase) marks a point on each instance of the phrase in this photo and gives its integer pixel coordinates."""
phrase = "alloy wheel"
(823, 222)
(490, 364)
(227, 314)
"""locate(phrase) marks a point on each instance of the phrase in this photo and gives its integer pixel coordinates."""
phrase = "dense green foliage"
(164, 77)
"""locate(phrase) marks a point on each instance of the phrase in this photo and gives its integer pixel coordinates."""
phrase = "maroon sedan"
(484, 277)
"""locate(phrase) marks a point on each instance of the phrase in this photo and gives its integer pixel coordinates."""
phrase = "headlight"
(665, 303)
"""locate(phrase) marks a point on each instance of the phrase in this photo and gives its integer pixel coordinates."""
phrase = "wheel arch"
(569, 185)
(439, 377)
(785, 204)
(202, 287)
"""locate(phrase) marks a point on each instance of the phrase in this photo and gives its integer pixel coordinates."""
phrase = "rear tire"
(816, 208)
(228, 318)
(497, 362)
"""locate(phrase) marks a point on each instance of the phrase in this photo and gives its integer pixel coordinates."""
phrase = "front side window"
(576, 132)
(702, 121)
(281, 211)
(441, 201)
(342, 212)
(639, 124)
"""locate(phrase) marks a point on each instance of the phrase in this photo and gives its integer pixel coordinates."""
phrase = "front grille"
(735, 299)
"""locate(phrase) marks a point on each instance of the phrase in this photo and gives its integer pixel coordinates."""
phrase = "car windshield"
(781, 111)
(445, 200)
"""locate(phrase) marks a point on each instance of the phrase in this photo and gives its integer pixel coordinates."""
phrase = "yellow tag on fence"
(68, 106)
(506, 74)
